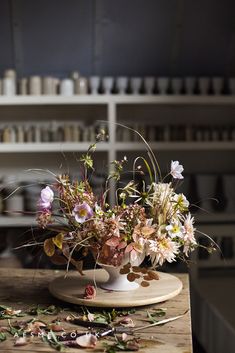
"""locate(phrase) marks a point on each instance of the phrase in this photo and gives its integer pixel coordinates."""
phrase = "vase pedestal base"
(71, 289)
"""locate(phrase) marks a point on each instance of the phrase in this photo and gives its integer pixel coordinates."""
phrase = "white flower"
(176, 170)
(188, 237)
(162, 250)
(175, 229)
(181, 202)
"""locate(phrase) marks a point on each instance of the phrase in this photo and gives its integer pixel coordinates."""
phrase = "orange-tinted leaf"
(153, 275)
(131, 277)
(58, 240)
(124, 270)
(144, 284)
(136, 269)
(49, 247)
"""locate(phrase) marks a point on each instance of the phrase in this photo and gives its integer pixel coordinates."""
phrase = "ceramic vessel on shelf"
(67, 87)
(189, 83)
(203, 84)
(149, 83)
(217, 85)
(94, 82)
(107, 84)
(117, 281)
(177, 85)
(135, 83)
(81, 86)
(121, 84)
(163, 85)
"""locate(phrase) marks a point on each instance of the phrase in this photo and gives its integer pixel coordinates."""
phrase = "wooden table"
(22, 289)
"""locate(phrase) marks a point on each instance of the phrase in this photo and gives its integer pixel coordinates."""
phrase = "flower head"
(82, 212)
(47, 197)
(175, 229)
(176, 170)
(162, 250)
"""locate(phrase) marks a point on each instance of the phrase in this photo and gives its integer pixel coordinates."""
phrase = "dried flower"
(47, 197)
(82, 212)
(90, 292)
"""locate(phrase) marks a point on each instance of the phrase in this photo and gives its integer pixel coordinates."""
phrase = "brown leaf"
(153, 275)
(136, 269)
(124, 270)
(144, 284)
(147, 278)
(49, 247)
(131, 277)
(78, 265)
(144, 270)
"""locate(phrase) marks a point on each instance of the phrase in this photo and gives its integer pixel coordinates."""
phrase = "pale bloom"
(181, 202)
(162, 250)
(175, 229)
(176, 170)
(82, 212)
(188, 237)
(47, 197)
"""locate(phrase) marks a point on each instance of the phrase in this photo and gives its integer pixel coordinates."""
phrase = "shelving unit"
(112, 109)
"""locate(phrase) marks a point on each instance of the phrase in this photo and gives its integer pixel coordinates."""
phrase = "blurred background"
(163, 67)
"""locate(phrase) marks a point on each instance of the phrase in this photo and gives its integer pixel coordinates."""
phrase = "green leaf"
(3, 336)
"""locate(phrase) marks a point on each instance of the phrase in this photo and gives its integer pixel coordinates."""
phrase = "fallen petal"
(87, 341)
(21, 341)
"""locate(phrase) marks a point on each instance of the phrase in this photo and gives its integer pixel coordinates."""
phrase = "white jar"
(35, 85)
(8, 86)
(67, 87)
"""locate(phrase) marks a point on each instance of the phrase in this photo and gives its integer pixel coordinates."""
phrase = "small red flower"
(90, 292)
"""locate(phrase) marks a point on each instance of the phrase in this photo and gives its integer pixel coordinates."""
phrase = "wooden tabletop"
(23, 289)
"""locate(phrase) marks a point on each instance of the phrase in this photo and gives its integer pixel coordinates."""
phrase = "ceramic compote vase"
(117, 281)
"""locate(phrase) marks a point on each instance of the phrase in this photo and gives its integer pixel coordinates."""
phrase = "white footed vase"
(117, 281)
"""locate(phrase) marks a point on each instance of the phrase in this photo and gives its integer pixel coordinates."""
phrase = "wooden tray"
(71, 290)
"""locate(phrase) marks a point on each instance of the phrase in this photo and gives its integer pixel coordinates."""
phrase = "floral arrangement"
(152, 221)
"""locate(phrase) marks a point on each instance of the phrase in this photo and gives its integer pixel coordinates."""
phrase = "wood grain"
(20, 289)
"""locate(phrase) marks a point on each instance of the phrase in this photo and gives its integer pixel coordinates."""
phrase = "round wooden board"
(71, 290)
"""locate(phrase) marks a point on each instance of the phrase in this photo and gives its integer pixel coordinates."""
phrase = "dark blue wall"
(131, 37)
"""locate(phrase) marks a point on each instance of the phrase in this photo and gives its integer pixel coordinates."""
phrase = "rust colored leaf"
(136, 269)
(131, 277)
(124, 270)
(153, 275)
(144, 284)
(49, 247)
